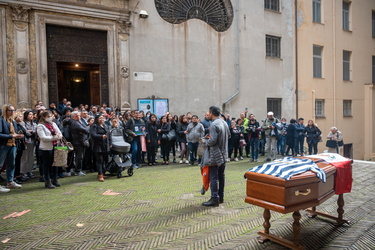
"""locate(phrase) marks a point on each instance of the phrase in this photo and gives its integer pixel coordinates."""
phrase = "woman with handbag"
(172, 143)
(181, 138)
(312, 136)
(334, 138)
(163, 130)
(48, 134)
(100, 138)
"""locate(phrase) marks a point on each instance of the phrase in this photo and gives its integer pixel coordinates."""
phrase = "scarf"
(52, 130)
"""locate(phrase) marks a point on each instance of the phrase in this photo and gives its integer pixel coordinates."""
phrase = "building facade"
(336, 48)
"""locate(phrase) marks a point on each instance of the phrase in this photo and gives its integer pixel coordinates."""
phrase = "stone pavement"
(160, 208)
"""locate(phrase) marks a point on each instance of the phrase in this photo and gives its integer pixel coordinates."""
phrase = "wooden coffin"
(284, 196)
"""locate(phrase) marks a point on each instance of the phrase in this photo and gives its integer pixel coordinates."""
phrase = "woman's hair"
(89, 119)
(313, 124)
(181, 119)
(42, 116)
(161, 118)
(152, 115)
(5, 108)
(26, 114)
(97, 118)
(238, 120)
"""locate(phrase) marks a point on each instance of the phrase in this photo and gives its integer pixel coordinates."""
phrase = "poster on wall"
(160, 107)
(146, 105)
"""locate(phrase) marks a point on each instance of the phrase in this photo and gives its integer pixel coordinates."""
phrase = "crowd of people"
(28, 136)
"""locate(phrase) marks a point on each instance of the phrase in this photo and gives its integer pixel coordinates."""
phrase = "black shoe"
(213, 202)
(174, 160)
(55, 183)
(48, 184)
(221, 200)
(41, 179)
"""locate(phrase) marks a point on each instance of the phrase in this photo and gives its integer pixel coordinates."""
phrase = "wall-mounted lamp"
(143, 14)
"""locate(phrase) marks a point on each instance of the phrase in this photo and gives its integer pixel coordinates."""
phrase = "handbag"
(331, 144)
(340, 143)
(242, 143)
(60, 156)
(67, 144)
(171, 135)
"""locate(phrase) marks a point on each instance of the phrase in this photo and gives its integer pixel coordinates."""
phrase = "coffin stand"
(303, 191)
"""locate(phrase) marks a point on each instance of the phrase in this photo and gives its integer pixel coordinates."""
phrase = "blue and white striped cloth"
(288, 167)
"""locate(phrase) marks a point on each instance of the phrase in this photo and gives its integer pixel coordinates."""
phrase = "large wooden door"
(95, 88)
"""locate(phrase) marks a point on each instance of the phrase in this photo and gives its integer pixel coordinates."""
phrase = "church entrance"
(79, 83)
(77, 65)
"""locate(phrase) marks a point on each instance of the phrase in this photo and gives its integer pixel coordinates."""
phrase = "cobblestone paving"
(160, 208)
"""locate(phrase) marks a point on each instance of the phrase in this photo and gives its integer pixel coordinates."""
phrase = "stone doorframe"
(41, 19)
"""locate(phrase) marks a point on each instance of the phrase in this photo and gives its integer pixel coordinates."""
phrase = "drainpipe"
(296, 51)
(237, 61)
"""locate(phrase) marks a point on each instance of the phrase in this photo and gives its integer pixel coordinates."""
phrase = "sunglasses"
(11, 110)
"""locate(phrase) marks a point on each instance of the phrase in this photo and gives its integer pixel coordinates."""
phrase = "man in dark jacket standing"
(79, 133)
(215, 156)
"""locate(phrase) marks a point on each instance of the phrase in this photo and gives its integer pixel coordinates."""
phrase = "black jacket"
(181, 128)
(98, 144)
(152, 134)
(312, 134)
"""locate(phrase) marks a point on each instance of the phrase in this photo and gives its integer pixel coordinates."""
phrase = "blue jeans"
(47, 164)
(8, 154)
(217, 181)
(254, 145)
(281, 145)
(193, 147)
(136, 156)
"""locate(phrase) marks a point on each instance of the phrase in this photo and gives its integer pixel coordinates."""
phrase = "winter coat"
(45, 136)
(152, 134)
(196, 131)
(291, 134)
(216, 151)
(312, 134)
(100, 145)
(79, 132)
(165, 128)
(180, 131)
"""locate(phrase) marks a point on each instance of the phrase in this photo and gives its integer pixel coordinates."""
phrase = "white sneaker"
(13, 185)
(80, 173)
(180, 161)
(67, 174)
(187, 162)
(4, 189)
(236, 159)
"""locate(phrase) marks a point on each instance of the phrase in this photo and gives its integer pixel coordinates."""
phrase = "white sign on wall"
(143, 76)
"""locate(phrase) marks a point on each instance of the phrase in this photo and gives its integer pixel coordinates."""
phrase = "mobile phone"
(246, 109)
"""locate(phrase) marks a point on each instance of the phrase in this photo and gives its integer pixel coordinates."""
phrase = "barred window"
(319, 108)
(273, 46)
(274, 105)
(272, 5)
(316, 10)
(317, 61)
(346, 65)
(347, 108)
(217, 13)
(345, 15)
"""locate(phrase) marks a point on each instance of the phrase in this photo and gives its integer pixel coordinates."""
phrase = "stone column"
(20, 18)
(3, 61)
(124, 80)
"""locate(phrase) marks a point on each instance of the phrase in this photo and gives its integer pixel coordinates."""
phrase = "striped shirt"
(287, 167)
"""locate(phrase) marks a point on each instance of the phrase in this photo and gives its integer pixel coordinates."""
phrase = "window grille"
(273, 46)
(272, 5)
(274, 105)
(217, 13)
(319, 108)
